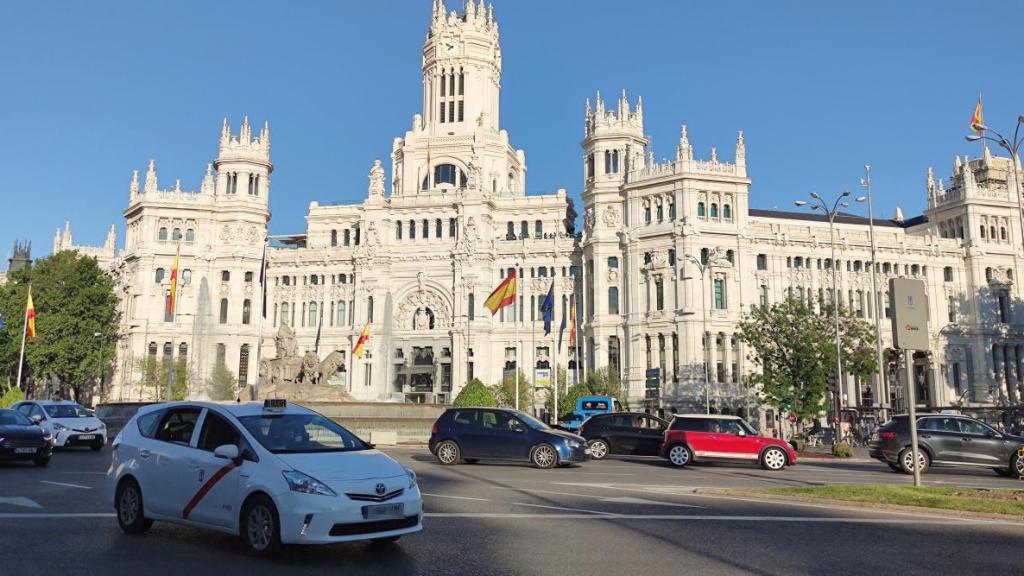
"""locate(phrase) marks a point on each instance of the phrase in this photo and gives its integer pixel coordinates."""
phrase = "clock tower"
(456, 142)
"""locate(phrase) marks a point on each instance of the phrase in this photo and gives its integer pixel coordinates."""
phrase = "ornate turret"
(684, 151)
(622, 120)
(133, 188)
(150, 185)
(741, 150)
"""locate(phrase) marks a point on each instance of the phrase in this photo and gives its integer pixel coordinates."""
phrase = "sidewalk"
(860, 454)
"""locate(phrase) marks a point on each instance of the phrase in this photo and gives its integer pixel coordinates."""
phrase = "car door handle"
(965, 439)
(143, 453)
(926, 435)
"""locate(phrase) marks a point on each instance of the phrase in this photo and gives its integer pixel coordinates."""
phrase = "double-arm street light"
(818, 203)
(882, 389)
(705, 338)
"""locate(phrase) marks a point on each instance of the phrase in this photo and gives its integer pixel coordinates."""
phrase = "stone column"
(999, 368)
(1012, 365)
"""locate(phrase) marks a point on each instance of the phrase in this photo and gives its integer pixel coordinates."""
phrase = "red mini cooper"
(706, 437)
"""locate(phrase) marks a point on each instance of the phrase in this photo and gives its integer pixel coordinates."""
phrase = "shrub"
(222, 384)
(842, 450)
(798, 444)
(11, 396)
(475, 393)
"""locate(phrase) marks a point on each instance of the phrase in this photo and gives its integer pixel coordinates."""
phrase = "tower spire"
(683, 150)
(150, 184)
(741, 150)
(133, 188)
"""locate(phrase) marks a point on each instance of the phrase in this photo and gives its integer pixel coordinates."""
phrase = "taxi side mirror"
(226, 451)
(741, 433)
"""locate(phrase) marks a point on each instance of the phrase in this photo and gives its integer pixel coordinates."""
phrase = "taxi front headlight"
(412, 478)
(299, 482)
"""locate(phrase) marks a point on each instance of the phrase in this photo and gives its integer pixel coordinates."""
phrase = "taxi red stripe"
(223, 471)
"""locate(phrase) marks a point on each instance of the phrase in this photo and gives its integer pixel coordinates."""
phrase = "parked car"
(708, 437)
(631, 433)
(473, 434)
(69, 422)
(587, 406)
(115, 415)
(947, 440)
(273, 474)
(21, 439)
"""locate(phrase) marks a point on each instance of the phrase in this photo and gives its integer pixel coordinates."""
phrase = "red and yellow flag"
(30, 317)
(174, 282)
(503, 295)
(978, 120)
(364, 337)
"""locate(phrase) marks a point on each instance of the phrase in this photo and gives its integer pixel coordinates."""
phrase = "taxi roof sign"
(275, 404)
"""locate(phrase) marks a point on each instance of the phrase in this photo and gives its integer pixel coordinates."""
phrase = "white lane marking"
(455, 497)
(604, 474)
(85, 473)
(564, 508)
(618, 499)
(641, 501)
(65, 484)
(20, 501)
(59, 515)
(712, 518)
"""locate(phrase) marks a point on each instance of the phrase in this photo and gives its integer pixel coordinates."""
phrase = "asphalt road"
(616, 517)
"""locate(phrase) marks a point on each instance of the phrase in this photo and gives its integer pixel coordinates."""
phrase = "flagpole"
(170, 359)
(554, 378)
(263, 315)
(515, 320)
(583, 295)
(24, 331)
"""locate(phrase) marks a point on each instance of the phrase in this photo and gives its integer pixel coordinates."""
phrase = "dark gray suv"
(947, 440)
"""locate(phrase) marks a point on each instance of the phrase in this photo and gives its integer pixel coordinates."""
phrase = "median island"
(972, 500)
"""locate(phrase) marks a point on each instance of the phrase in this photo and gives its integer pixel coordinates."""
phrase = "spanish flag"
(174, 283)
(978, 120)
(503, 295)
(364, 337)
(30, 317)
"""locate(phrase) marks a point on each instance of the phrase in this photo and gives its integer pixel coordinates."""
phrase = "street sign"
(542, 377)
(910, 314)
(653, 378)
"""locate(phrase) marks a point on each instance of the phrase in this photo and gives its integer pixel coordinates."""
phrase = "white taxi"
(273, 473)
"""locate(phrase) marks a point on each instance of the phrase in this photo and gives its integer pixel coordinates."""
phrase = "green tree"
(11, 396)
(154, 378)
(505, 393)
(475, 393)
(794, 348)
(549, 396)
(74, 300)
(222, 384)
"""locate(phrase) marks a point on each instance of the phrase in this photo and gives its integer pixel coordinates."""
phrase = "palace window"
(763, 294)
(714, 210)
(412, 229)
(176, 234)
(700, 210)
(659, 294)
(613, 300)
(952, 308)
(719, 294)
(398, 230)
(727, 212)
(947, 274)
(538, 229)
(613, 262)
(437, 228)
(647, 213)
(334, 238)
(341, 321)
(285, 318)
(672, 210)
(225, 276)
(222, 353)
(762, 262)
(452, 227)
(186, 276)
(426, 229)
(346, 237)
(190, 236)
(232, 182)
(704, 255)
(661, 212)
(369, 309)
(159, 276)
(246, 310)
(671, 256)
(223, 310)
(445, 174)
(313, 316)
(162, 236)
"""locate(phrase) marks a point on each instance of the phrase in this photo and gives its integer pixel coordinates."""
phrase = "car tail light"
(433, 430)
(887, 435)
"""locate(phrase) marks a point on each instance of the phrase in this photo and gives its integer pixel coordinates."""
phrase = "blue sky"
(91, 90)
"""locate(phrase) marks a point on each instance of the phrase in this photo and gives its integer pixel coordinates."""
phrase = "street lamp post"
(705, 338)
(883, 390)
(99, 363)
(819, 204)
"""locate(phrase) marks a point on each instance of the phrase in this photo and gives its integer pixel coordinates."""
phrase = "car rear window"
(899, 422)
(595, 405)
(466, 417)
(690, 424)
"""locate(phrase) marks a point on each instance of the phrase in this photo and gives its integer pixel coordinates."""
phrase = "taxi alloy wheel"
(448, 453)
(773, 459)
(544, 456)
(679, 455)
(598, 449)
(129, 509)
(260, 529)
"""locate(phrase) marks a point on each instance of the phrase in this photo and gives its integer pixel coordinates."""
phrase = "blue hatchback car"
(472, 434)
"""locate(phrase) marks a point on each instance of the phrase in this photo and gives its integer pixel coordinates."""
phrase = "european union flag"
(547, 308)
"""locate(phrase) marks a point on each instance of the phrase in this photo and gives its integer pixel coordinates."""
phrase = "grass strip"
(995, 501)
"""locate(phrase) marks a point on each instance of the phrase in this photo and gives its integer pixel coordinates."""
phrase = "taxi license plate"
(383, 511)
(24, 450)
(86, 436)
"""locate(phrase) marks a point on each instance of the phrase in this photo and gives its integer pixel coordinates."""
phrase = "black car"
(631, 433)
(115, 415)
(947, 440)
(472, 434)
(21, 439)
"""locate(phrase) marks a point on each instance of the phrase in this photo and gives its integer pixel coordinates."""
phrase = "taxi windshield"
(65, 411)
(301, 434)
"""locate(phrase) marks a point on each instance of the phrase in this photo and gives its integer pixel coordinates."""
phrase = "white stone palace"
(418, 256)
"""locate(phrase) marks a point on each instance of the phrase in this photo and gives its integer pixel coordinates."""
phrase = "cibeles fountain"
(304, 378)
